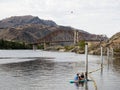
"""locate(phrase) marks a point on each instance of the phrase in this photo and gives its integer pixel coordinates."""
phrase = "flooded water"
(43, 70)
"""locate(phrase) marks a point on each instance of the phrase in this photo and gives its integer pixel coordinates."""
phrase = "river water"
(43, 70)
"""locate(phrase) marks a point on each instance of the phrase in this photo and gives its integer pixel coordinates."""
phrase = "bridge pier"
(45, 45)
(110, 52)
(34, 47)
(76, 37)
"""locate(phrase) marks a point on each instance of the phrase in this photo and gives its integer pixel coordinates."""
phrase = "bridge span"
(69, 36)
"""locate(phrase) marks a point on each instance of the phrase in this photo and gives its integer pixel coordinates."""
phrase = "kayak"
(80, 81)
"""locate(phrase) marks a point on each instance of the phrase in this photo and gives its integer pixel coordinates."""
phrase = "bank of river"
(45, 70)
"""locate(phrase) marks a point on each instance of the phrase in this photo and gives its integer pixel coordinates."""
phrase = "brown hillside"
(29, 29)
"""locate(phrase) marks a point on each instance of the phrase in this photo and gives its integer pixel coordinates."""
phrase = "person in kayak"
(81, 76)
(76, 77)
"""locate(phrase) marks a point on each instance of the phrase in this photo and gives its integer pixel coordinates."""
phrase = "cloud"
(95, 16)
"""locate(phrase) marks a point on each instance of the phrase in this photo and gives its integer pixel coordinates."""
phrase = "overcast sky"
(94, 16)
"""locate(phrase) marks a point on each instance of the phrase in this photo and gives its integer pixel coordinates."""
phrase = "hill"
(29, 29)
(16, 21)
(114, 42)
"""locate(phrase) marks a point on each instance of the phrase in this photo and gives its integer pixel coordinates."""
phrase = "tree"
(81, 45)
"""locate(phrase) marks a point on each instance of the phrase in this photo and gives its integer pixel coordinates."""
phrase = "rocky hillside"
(28, 33)
(29, 29)
(114, 42)
(24, 20)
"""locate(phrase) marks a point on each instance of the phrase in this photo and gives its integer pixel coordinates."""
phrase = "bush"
(68, 47)
(4, 44)
(81, 45)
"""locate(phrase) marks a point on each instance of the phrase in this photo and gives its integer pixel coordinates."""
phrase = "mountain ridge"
(16, 21)
(30, 28)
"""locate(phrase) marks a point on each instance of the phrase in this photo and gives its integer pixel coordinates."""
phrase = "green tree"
(81, 45)
(4, 44)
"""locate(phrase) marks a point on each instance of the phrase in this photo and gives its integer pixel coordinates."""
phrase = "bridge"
(55, 37)
(69, 36)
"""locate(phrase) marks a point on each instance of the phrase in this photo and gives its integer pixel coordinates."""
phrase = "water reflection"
(48, 74)
(116, 65)
(86, 85)
(25, 75)
(27, 68)
(101, 71)
(81, 85)
(36, 74)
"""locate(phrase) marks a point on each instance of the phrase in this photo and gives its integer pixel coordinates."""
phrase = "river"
(46, 70)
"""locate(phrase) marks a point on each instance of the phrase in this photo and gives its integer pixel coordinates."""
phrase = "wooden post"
(86, 57)
(112, 52)
(101, 56)
(108, 52)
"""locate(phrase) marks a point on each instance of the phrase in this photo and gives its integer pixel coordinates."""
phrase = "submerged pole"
(86, 57)
(101, 56)
(108, 55)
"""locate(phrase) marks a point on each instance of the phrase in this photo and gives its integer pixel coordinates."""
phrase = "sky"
(93, 16)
